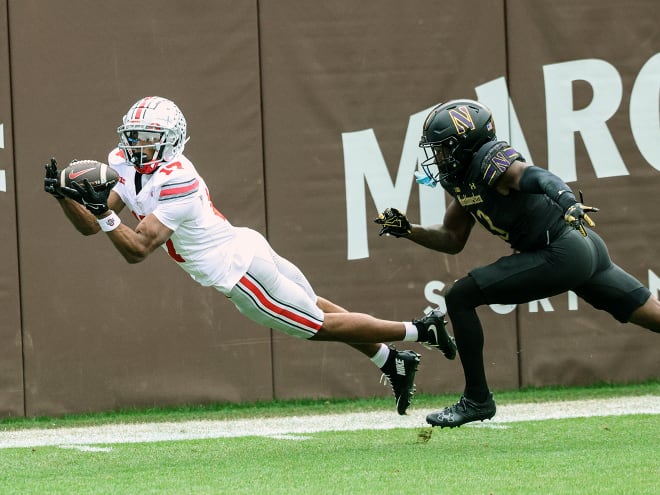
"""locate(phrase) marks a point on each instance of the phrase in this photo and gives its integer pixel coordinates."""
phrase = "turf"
(578, 456)
(600, 455)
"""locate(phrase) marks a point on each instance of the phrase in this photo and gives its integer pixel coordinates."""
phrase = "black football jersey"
(525, 221)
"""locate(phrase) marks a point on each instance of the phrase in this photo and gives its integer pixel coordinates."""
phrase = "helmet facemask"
(440, 163)
(136, 143)
(153, 131)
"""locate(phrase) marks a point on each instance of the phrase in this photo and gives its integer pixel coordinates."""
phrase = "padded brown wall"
(11, 360)
(345, 66)
(272, 91)
(586, 346)
(99, 333)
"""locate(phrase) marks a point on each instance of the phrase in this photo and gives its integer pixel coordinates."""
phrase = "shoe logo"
(434, 332)
(73, 175)
(400, 366)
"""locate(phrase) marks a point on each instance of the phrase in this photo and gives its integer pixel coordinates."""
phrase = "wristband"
(109, 223)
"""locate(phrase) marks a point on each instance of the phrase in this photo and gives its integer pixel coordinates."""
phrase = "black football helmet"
(453, 132)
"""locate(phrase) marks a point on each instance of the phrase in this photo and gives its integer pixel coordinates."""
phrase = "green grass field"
(600, 455)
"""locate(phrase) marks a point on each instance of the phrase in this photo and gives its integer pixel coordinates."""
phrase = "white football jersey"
(204, 243)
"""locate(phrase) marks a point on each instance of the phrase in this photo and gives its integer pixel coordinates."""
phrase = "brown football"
(98, 174)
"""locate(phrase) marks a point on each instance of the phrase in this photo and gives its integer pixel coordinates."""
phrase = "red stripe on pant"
(264, 301)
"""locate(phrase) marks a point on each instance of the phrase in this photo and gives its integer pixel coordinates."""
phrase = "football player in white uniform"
(170, 199)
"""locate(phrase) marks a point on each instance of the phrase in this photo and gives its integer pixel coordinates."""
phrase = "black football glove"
(51, 181)
(577, 215)
(95, 201)
(52, 184)
(394, 223)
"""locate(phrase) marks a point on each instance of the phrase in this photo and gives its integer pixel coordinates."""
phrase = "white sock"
(411, 332)
(380, 358)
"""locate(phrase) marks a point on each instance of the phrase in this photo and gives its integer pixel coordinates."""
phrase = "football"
(98, 174)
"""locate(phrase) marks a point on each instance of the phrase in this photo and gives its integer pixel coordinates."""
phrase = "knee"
(648, 315)
(464, 295)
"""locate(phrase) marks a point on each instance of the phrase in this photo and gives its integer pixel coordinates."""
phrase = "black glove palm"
(577, 215)
(95, 201)
(51, 181)
(394, 223)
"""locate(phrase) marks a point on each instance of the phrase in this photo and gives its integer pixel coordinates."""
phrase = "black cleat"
(433, 333)
(400, 370)
(464, 411)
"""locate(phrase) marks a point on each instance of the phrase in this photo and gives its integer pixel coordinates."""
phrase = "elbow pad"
(536, 180)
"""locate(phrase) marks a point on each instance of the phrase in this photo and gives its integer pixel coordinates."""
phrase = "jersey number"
(167, 169)
(172, 252)
(485, 220)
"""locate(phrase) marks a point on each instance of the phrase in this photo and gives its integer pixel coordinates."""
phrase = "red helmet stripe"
(141, 107)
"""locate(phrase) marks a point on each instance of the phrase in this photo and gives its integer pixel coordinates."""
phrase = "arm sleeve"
(536, 180)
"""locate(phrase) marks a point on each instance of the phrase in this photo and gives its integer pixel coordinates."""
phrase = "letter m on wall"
(364, 165)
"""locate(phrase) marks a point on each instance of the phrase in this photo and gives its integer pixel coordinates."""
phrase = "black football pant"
(570, 262)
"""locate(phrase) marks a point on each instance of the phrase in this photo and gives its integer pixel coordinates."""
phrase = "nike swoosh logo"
(73, 175)
(433, 330)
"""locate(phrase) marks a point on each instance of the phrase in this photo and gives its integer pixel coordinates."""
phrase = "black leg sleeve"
(462, 300)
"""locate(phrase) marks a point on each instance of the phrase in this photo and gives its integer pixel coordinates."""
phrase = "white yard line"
(295, 427)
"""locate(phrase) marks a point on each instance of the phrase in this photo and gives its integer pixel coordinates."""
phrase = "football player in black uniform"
(534, 211)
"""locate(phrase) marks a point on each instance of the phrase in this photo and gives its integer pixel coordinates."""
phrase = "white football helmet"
(152, 122)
